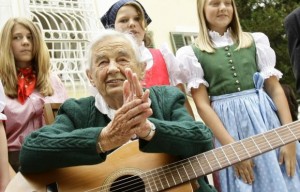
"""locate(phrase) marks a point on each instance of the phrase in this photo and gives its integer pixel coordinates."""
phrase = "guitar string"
(181, 164)
(254, 149)
(264, 142)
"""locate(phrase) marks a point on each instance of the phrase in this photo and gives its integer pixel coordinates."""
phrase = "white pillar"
(5, 10)
(13, 8)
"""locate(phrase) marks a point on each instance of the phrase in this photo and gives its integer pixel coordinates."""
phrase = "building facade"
(68, 26)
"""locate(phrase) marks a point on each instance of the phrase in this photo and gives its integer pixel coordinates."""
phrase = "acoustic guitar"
(127, 169)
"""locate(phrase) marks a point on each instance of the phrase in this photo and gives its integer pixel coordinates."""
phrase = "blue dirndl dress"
(245, 114)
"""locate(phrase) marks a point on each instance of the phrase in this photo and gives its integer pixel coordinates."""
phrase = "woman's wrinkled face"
(129, 20)
(22, 46)
(218, 14)
(110, 58)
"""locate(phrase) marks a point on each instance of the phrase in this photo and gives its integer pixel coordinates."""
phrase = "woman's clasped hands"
(130, 120)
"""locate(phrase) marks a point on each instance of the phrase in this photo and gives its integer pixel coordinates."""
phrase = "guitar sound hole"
(128, 183)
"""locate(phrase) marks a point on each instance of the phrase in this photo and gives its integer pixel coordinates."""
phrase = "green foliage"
(267, 16)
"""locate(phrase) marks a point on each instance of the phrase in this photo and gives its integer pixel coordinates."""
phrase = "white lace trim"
(221, 40)
(268, 71)
(195, 83)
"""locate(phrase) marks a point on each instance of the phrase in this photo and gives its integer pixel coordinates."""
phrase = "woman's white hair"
(108, 33)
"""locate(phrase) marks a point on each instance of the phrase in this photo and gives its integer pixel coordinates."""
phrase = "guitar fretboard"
(205, 163)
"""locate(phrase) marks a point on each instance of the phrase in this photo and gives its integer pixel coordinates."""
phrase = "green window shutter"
(177, 40)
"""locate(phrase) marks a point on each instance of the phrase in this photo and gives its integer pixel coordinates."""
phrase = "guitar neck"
(219, 158)
(131, 173)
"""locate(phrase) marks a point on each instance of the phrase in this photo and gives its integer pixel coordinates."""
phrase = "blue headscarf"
(109, 18)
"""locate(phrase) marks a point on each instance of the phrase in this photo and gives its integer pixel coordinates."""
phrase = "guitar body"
(128, 169)
(122, 163)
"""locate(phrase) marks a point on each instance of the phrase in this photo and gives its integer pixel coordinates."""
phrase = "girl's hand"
(244, 170)
(288, 156)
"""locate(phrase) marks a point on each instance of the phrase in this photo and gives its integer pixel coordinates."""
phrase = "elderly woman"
(92, 128)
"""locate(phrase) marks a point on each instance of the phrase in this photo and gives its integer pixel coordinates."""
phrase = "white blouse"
(170, 60)
(191, 72)
(102, 106)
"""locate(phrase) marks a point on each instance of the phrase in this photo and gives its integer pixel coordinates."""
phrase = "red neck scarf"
(26, 83)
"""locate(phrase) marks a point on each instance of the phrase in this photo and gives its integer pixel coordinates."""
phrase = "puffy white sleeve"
(190, 70)
(265, 56)
(171, 62)
(2, 102)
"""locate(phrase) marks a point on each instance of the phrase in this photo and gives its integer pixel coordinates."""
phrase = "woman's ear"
(89, 75)
(142, 68)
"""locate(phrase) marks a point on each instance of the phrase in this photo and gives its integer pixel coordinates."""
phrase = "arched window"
(67, 26)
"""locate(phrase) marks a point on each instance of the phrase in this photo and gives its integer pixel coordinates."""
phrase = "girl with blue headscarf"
(131, 17)
(160, 64)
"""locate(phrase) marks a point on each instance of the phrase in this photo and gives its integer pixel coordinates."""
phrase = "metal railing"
(67, 26)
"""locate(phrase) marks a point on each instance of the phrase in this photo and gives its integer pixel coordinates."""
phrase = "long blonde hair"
(40, 61)
(203, 41)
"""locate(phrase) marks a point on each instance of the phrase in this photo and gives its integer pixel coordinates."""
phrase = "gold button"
(228, 54)
(239, 89)
(233, 68)
(234, 74)
(230, 61)
(226, 48)
(237, 82)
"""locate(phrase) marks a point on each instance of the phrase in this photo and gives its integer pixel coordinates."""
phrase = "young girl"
(235, 87)
(131, 17)
(27, 80)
